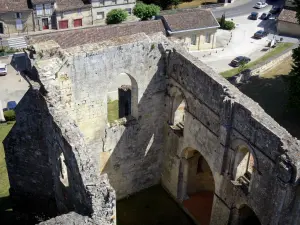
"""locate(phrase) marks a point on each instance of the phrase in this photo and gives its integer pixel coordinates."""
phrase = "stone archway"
(246, 216)
(196, 185)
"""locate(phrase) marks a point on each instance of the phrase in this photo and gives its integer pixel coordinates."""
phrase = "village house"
(73, 13)
(15, 17)
(287, 23)
(100, 8)
(44, 16)
(196, 29)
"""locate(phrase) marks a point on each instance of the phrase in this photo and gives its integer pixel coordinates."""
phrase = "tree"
(294, 78)
(144, 11)
(222, 21)
(242, 66)
(116, 16)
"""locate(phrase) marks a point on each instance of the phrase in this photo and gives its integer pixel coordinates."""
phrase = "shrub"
(144, 11)
(116, 16)
(10, 115)
(226, 25)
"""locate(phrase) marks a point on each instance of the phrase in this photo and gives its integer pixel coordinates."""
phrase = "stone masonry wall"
(218, 120)
(131, 152)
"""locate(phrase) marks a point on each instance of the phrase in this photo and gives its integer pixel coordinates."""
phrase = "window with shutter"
(39, 10)
(100, 16)
(48, 9)
(18, 15)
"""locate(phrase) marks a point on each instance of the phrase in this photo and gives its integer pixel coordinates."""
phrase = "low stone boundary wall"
(274, 61)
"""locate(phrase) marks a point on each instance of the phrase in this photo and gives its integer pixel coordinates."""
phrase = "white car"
(3, 69)
(260, 5)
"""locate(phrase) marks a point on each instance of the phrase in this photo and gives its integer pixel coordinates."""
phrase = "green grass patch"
(276, 51)
(4, 182)
(112, 110)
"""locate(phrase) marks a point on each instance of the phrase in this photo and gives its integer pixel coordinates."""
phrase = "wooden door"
(63, 24)
(78, 23)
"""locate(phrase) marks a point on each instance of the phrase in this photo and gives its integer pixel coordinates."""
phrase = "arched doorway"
(196, 185)
(122, 98)
(247, 216)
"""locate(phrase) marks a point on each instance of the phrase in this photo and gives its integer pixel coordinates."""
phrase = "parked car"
(268, 16)
(11, 105)
(263, 16)
(239, 60)
(260, 5)
(275, 10)
(253, 16)
(3, 69)
(260, 34)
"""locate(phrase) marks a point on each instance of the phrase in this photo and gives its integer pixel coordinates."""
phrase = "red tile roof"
(70, 38)
(13, 6)
(288, 16)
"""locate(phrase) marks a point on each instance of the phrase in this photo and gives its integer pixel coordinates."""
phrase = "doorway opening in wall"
(121, 98)
(196, 185)
(1, 28)
(45, 23)
(247, 216)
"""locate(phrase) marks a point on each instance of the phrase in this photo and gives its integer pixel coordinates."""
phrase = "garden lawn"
(276, 51)
(113, 111)
(4, 182)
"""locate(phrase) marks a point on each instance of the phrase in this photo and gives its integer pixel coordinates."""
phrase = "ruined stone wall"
(129, 152)
(218, 120)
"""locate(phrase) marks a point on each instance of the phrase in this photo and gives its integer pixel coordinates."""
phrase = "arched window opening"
(243, 166)
(63, 171)
(178, 112)
(122, 98)
(247, 216)
(196, 185)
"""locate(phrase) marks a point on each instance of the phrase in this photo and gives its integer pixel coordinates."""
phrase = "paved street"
(242, 42)
(243, 7)
(12, 86)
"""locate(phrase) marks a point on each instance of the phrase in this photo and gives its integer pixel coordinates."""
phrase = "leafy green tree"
(116, 16)
(144, 11)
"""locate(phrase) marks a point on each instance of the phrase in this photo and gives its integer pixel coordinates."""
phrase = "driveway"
(12, 86)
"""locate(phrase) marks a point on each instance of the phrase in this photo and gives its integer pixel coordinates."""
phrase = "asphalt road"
(242, 7)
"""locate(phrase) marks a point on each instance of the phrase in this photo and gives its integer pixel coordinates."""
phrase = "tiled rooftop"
(288, 16)
(190, 20)
(65, 5)
(13, 6)
(71, 38)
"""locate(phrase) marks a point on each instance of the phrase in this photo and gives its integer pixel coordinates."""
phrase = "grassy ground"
(194, 4)
(277, 50)
(151, 206)
(4, 183)
(281, 69)
(113, 110)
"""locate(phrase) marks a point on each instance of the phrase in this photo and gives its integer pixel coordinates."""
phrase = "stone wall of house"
(218, 120)
(9, 22)
(84, 14)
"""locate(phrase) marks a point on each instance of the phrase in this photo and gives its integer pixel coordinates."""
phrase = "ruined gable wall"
(218, 119)
(129, 153)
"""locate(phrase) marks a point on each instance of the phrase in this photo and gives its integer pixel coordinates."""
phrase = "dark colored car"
(260, 34)
(275, 10)
(239, 60)
(268, 16)
(263, 16)
(11, 105)
(253, 16)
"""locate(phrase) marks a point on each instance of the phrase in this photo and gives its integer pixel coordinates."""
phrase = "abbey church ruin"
(105, 119)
